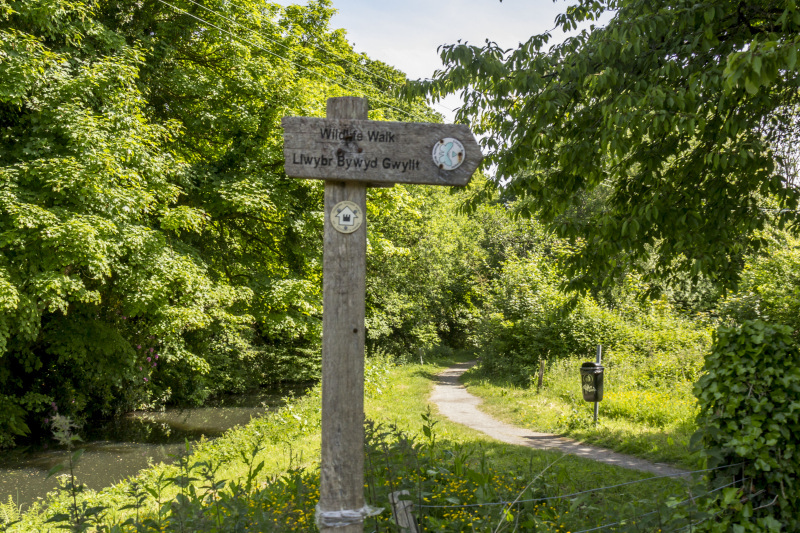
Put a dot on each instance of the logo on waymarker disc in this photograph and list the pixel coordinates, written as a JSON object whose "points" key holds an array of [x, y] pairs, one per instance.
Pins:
{"points": [[346, 217], [448, 153]]}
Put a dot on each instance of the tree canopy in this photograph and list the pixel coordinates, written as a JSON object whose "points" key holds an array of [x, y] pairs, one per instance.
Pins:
{"points": [[683, 113], [151, 248]]}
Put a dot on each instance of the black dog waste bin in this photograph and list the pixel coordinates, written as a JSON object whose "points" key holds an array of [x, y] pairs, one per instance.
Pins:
{"points": [[592, 381]]}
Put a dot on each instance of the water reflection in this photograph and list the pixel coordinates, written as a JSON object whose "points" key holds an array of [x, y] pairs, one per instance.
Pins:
{"points": [[120, 448]]}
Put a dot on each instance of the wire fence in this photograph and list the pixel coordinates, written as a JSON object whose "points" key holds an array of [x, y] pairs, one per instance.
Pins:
{"points": [[693, 498], [574, 494], [683, 502]]}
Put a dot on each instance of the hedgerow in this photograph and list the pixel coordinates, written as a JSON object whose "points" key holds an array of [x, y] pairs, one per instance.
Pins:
{"points": [[749, 398]]}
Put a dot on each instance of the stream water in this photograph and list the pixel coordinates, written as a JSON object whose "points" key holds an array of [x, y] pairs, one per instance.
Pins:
{"points": [[122, 447]]}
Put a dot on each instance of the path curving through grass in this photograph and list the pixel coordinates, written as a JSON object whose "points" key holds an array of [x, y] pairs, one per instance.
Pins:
{"points": [[454, 402]]}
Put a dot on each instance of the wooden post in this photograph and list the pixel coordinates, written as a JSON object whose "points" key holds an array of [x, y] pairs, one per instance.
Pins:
{"points": [[541, 375], [352, 153], [402, 512], [343, 293]]}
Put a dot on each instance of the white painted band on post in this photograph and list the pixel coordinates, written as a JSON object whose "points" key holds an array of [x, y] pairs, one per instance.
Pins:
{"points": [[345, 517]]}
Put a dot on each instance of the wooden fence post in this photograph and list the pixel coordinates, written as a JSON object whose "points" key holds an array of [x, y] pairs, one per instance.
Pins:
{"points": [[402, 512]]}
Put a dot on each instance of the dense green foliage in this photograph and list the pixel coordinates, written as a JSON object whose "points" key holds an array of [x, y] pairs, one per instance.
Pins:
{"points": [[423, 261], [686, 111], [529, 319], [770, 286], [84, 179], [750, 413], [151, 248]]}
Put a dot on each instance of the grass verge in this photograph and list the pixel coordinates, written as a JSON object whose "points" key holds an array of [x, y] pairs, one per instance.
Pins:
{"points": [[264, 477], [654, 423]]}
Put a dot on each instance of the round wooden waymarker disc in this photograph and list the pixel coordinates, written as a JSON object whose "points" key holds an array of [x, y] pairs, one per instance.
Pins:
{"points": [[346, 217]]}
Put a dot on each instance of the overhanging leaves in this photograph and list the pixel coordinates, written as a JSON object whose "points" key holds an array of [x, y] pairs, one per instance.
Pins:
{"points": [[686, 111]]}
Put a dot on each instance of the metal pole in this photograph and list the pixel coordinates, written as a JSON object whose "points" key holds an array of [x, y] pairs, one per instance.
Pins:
{"points": [[598, 360]]}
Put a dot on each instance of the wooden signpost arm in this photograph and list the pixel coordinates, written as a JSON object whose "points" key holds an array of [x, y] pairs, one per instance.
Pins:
{"points": [[344, 288]]}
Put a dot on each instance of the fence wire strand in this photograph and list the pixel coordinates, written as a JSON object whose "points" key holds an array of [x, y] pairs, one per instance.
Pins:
{"points": [[620, 522], [563, 496]]}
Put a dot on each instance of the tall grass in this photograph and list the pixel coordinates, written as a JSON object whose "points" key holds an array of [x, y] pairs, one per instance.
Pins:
{"points": [[642, 412], [453, 487]]}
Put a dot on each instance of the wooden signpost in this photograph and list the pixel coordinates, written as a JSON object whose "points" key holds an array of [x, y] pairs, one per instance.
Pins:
{"points": [[351, 153], [379, 152]]}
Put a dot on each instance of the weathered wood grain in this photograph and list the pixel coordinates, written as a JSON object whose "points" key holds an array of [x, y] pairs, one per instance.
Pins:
{"points": [[403, 512], [373, 151], [344, 289]]}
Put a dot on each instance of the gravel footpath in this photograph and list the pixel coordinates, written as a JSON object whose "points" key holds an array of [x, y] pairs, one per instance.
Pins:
{"points": [[461, 407]]}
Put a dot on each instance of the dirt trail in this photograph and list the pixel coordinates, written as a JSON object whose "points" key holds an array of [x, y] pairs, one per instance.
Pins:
{"points": [[461, 407]]}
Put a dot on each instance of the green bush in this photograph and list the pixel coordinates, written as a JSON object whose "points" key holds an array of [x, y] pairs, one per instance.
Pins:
{"points": [[526, 319], [749, 402], [530, 319], [769, 289]]}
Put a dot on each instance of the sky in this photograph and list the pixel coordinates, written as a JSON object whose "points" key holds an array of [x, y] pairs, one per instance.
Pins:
{"points": [[406, 33]]}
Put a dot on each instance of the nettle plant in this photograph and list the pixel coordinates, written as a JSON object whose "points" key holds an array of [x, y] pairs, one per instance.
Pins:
{"points": [[749, 402]]}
